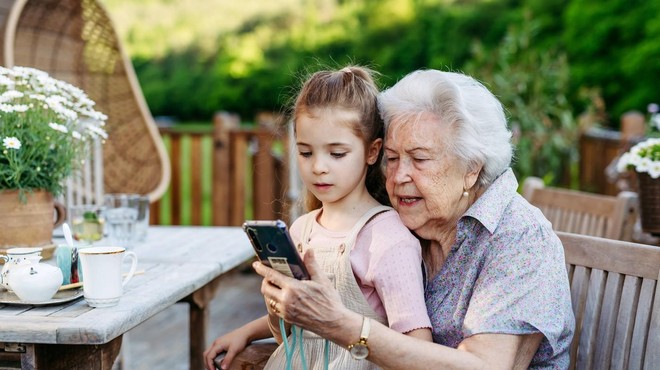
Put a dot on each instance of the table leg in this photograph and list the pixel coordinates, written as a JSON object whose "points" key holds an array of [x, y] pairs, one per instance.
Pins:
{"points": [[199, 317], [70, 357]]}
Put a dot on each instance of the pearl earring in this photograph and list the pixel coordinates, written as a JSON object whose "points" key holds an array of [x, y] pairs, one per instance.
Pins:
{"points": [[465, 193]]}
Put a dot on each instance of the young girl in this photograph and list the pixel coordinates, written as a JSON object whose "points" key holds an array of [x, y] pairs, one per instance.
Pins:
{"points": [[372, 258]]}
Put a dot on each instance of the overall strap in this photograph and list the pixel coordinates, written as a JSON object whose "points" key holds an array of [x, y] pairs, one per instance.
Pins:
{"points": [[307, 229], [352, 235]]}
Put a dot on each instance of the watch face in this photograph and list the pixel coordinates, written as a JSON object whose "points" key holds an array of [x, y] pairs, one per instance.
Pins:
{"points": [[360, 351]]}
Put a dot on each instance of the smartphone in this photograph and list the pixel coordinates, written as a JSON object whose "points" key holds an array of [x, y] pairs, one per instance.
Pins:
{"points": [[274, 248]]}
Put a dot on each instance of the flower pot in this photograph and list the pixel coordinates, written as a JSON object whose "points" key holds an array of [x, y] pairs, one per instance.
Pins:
{"points": [[28, 224], [649, 202]]}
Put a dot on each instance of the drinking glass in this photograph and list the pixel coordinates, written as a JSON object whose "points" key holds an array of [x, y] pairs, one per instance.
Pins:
{"points": [[87, 222], [121, 215], [142, 219]]}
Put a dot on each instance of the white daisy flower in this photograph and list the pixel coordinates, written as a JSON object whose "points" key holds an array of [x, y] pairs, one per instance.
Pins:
{"points": [[60, 128], [11, 143], [654, 170]]}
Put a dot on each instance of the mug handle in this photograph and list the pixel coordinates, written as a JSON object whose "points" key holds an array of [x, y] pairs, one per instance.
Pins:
{"points": [[130, 274], [60, 212]]}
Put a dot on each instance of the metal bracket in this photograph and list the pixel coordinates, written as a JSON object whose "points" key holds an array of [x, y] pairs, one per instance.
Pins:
{"points": [[15, 347]]}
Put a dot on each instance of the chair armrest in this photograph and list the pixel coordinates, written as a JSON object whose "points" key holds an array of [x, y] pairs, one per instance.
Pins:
{"points": [[254, 356]]}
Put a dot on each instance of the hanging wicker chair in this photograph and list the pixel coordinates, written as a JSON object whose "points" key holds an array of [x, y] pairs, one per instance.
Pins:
{"points": [[74, 40]]}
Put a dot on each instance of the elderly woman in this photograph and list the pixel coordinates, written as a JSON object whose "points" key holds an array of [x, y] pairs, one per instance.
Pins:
{"points": [[497, 289]]}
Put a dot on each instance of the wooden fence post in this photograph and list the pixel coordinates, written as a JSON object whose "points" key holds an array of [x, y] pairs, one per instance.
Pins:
{"points": [[223, 122], [264, 177]]}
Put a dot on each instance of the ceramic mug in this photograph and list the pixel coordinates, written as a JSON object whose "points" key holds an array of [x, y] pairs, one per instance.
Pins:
{"points": [[101, 267]]}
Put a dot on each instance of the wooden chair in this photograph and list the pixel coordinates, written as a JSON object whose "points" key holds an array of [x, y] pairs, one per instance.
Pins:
{"points": [[584, 213], [616, 302], [75, 41]]}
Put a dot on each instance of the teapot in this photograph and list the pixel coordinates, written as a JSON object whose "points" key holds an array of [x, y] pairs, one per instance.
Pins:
{"points": [[33, 281], [14, 257]]}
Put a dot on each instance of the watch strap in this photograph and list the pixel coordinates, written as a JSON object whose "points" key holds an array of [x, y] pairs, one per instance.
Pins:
{"points": [[360, 350], [366, 326]]}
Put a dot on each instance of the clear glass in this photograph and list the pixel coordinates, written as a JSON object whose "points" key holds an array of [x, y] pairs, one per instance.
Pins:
{"points": [[121, 216], [87, 222], [142, 219], [121, 225]]}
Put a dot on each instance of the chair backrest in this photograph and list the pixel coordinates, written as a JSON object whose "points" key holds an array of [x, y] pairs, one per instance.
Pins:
{"points": [[75, 41], [584, 213], [616, 302]]}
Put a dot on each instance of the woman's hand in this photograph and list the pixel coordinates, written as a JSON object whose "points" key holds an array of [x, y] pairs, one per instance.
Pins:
{"points": [[313, 305]]}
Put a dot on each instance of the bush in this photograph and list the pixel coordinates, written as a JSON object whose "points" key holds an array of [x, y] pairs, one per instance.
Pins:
{"points": [[532, 85]]}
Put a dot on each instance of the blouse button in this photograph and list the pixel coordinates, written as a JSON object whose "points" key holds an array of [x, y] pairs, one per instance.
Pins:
{"points": [[342, 248]]}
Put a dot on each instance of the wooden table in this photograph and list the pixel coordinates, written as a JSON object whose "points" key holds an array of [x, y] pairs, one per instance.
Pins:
{"points": [[180, 263]]}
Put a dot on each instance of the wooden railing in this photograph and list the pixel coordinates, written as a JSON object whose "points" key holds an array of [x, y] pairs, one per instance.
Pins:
{"points": [[224, 175], [600, 147]]}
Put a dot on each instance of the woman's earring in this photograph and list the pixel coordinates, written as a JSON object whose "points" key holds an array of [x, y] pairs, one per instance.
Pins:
{"points": [[465, 193]]}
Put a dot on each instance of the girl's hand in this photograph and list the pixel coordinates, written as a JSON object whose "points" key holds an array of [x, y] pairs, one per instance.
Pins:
{"points": [[313, 305], [233, 343]]}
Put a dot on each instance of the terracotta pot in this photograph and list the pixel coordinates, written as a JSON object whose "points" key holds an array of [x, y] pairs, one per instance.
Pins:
{"points": [[28, 224], [649, 203]]}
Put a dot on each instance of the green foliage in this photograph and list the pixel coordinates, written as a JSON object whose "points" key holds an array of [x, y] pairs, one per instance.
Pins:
{"points": [[196, 58], [532, 85], [615, 45]]}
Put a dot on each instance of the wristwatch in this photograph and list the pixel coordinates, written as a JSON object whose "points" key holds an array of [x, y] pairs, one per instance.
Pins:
{"points": [[360, 350]]}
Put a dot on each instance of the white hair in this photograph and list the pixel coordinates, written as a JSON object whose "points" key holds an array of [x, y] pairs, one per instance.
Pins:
{"points": [[473, 113]]}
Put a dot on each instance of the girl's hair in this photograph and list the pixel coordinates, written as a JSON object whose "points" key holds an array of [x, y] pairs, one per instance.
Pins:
{"points": [[351, 88], [476, 116]]}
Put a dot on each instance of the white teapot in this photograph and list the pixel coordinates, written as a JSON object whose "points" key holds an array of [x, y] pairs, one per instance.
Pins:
{"points": [[33, 281], [14, 257]]}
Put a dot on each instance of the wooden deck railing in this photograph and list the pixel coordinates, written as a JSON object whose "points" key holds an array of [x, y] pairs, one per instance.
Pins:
{"points": [[224, 175]]}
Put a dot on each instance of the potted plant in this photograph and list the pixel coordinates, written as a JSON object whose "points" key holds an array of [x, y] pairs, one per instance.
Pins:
{"points": [[644, 159], [46, 126]]}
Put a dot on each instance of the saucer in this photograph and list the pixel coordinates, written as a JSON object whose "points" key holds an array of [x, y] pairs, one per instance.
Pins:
{"points": [[61, 296]]}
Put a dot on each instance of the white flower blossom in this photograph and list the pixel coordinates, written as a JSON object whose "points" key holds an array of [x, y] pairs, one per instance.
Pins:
{"points": [[643, 157], [11, 108], [654, 170], [57, 127], [11, 143], [33, 105], [6, 81], [624, 161], [97, 131], [655, 121], [10, 95]]}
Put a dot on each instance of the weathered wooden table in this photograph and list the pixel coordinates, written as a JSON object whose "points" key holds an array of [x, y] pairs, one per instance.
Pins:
{"points": [[180, 263]]}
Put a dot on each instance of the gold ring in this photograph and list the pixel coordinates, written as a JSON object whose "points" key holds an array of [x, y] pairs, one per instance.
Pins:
{"points": [[273, 305]]}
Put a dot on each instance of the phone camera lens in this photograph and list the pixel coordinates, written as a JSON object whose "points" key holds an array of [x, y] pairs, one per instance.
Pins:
{"points": [[253, 238], [271, 247]]}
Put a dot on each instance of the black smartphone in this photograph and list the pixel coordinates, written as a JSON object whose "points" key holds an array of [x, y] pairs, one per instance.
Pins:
{"points": [[273, 245]]}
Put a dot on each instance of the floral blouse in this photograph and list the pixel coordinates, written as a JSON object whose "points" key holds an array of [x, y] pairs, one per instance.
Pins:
{"points": [[505, 274]]}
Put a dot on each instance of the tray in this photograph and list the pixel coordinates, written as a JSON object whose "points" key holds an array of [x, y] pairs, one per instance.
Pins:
{"points": [[62, 296]]}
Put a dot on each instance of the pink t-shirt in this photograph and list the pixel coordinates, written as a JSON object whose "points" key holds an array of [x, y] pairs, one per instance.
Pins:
{"points": [[386, 262]]}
